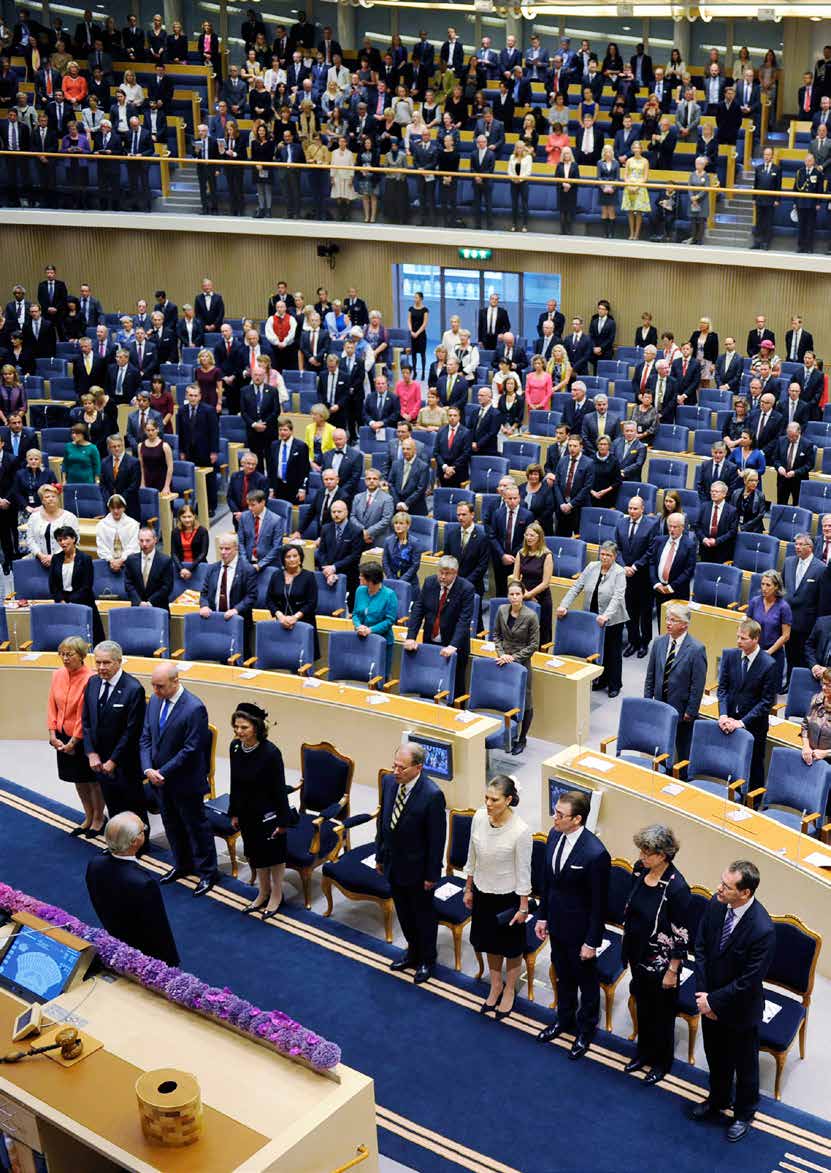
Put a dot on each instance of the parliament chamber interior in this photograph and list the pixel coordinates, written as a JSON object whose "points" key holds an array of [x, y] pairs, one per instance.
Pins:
{"points": [[416, 641]]}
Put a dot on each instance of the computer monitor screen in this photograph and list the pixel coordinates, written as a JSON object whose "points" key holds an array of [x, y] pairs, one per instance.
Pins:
{"points": [[37, 967], [438, 756]]}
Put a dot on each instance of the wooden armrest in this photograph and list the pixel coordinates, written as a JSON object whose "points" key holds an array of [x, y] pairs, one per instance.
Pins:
{"points": [[160, 652], [24, 647], [390, 685], [233, 659], [321, 672], [373, 680], [546, 647], [752, 795], [825, 832], [402, 619], [460, 699], [4, 646], [439, 696], [506, 717], [483, 634], [186, 493], [734, 787], [742, 607], [591, 659], [177, 654], [656, 761], [151, 521], [734, 606], [303, 670], [249, 663], [606, 741], [776, 708], [807, 819], [224, 467], [712, 684], [337, 614], [575, 576], [679, 766], [729, 563], [314, 845]]}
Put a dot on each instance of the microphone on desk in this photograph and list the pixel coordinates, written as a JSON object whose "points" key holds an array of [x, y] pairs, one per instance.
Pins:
{"points": [[441, 685], [371, 672], [718, 580], [559, 552], [756, 559]]}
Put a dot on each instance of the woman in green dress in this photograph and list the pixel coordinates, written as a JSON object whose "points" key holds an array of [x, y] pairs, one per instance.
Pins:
{"points": [[81, 458]]}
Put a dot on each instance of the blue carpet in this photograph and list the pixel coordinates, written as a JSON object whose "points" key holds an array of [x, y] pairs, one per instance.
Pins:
{"points": [[478, 1084]]}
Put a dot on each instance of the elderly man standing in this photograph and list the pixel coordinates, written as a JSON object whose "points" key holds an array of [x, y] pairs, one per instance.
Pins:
{"points": [[677, 672], [113, 716], [444, 610], [128, 899], [175, 754]]}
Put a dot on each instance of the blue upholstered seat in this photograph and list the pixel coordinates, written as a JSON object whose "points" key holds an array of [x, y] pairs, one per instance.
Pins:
{"points": [[352, 872]]}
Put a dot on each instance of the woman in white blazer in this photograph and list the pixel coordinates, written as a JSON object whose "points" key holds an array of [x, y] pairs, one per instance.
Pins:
{"points": [[603, 584]]}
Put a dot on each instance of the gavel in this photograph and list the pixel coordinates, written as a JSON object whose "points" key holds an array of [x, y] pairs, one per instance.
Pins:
{"points": [[68, 1041]]}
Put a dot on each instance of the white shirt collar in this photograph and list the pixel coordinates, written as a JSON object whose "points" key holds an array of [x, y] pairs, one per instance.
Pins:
{"points": [[739, 912], [112, 683], [751, 656]]}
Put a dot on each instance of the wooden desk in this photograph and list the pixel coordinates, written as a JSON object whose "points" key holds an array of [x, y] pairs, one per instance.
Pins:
{"points": [[261, 1111], [634, 797], [347, 716]]}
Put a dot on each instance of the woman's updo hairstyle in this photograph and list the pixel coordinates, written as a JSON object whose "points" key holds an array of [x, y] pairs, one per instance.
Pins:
{"points": [[506, 786]]}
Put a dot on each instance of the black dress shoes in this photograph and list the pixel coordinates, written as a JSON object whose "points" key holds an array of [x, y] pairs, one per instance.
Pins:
{"points": [[629, 650], [423, 974], [94, 832], [738, 1130], [613, 692], [550, 1033], [79, 830], [579, 1047], [596, 685], [642, 652], [655, 1076], [704, 1111], [204, 885], [402, 963], [633, 1065], [172, 876]]}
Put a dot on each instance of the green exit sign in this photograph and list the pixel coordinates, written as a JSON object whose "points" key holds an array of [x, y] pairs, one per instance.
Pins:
{"points": [[475, 254]]}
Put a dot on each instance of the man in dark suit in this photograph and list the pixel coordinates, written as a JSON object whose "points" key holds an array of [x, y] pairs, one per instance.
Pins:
{"points": [[206, 150], [630, 452], [88, 370], [52, 297], [347, 463], [505, 533], [676, 674], [197, 426], [352, 371], [190, 330], [672, 563], [598, 423], [113, 715], [242, 482], [573, 482], [766, 425], [767, 181], [470, 547], [148, 575], [818, 647], [39, 336], [259, 408], [602, 330], [797, 341], [486, 425], [144, 357], [729, 367], [408, 850], [452, 386], [551, 314], [793, 457], [686, 371], [734, 949], [175, 757], [122, 384], [162, 338], [641, 65], [544, 345], [381, 407], [17, 439], [137, 420], [209, 307], [508, 351], [578, 347], [452, 452], [167, 308], [802, 575], [581, 406], [121, 473], [759, 334], [260, 533], [137, 143], [493, 321], [126, 898], [333, 387], [718, 468], [717, 526], [572, 917], [288, 464], [314, 346], [812, 382], [15, 137], [482, 166], [633, 537], [747, 688], [340, 547], [444, 611], [409, 480]]}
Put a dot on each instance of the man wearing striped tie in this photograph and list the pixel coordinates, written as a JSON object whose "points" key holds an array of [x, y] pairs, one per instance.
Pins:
{"points": [[676, 673], [409, 847], [734, 949]]}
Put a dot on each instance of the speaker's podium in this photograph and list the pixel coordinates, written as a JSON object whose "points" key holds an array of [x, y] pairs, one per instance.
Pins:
{"points": [[260, 1110]]}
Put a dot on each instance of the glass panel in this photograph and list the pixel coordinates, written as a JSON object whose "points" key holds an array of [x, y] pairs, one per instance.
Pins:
{"points": [[537, 288], [463, 296], [704, 37], [427, 279], [758, 38]]}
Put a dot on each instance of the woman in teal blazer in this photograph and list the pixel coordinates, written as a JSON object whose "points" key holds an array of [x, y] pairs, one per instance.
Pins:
{"points": [[81, 459], [376, 608]]}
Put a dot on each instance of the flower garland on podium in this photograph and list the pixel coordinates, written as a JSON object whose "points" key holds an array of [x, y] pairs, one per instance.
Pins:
{"points": [[271, 1027]]}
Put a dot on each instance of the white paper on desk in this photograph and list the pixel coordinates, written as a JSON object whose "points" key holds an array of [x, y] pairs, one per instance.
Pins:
{"points": [[672, 788], [554, 663], [740, 814], [601, 764], [686, 972], [770, 1011], [369, 860], [465, 718], [818, 859], [184, 665], [446, 892], [249, 674], [488, 646], [694, 606], [31, 656], [377, 698], [776, 721], [312, 682]]}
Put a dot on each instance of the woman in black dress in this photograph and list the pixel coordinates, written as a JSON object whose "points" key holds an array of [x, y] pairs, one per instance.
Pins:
{"points": [[606, 475], [292, 593], [259, 804], [418, 317], [71, 578], [655, 946], [749, 502]]}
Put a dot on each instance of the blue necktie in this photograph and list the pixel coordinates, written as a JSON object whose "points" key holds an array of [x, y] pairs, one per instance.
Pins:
{"points": [[745, 666], [163, 714], [726, 929], [284, 456]]}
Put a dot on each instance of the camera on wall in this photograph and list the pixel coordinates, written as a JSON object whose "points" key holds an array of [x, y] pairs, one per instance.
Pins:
{"points": [[328, 250]]}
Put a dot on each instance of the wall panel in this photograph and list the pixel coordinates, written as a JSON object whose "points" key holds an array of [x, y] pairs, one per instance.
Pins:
{"points": [[124, 265]]}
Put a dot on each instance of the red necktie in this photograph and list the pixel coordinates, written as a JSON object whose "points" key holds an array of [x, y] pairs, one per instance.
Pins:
{"points": [[570, 478], [825, 550], [450, 438], [103, 349], [645, 375], [684, 367], [223, 590], [807, 106], [245, 488], [434, 634], [509, 531], [256, 535], [714, 522], [667, 566]]}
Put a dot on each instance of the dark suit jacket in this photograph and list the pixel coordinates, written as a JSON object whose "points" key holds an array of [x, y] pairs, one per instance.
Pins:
{"points": [[484, 433], [46, 343], [631, 468], [748, 700], [574, 414], [682, 569], [243, 594], [459, 458], [127, 484], [588, 430], [349, 474], [198, 438], [115, 732], [581, 485], [197, 333], [150, 364], [574, 902], [159, 584], [635, 553], [411, 852], [732, 978], [58, 300], [497, 533], [578, 352], [606, 339], [687, 676], [342, 389], [128, 902], [770, 432], [804, 602], [181, 750], [734, 376], [130, 385], [805, 452], [812, 385], [269, 411], [456, 616], [557, 318], [96, 377], [818, 644], [686, 384], [414, 493], [344, 555], [82, 590], [754, 341], [28, 441], [806, 342], [386, 414], [729, 474], [297, 470], [503, 323], [518, 360], [211, 319], [728, 525], [473, 560]]}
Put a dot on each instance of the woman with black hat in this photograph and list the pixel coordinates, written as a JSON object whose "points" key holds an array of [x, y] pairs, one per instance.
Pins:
{"points": [[259, 804]]}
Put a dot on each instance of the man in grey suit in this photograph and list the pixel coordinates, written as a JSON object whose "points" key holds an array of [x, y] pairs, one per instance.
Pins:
{"points": [[676, 673], [409, 480], [372, 510], [403, 429], [802, 574], [630, 452]]}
